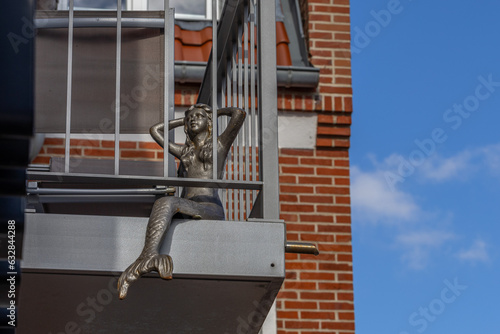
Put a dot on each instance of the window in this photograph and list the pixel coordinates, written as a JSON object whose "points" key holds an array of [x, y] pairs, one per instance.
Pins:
{"points": [[184, 9]]}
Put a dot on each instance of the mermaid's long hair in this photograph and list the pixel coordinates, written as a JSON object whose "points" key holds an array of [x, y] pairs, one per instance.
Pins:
{"points": [[206, 152]]}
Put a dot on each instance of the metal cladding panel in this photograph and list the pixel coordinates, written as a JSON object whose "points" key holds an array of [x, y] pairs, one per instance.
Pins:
{"points": [[226, 276], [199, 248], [70, 303]]}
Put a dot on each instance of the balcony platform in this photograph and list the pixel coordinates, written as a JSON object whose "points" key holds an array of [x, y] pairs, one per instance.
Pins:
{"points": [[226, 276]]}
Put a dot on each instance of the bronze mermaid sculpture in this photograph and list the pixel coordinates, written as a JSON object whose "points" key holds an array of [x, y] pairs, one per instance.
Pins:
{"points": [[196, 155]]}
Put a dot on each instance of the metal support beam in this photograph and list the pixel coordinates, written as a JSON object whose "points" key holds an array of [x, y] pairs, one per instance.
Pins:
{"points": [[268, 108]]}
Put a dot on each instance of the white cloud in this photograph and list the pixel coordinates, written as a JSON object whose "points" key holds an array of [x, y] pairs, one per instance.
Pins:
{"points": [[374, 202], [439, 169], [418, 246], [476, 253], [492, 158]]}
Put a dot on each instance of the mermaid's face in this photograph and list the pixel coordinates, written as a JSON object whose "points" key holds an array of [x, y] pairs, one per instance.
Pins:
{"points": [[196, 121]]}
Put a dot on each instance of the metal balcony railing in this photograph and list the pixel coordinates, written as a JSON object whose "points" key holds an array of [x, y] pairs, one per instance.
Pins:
{"points": [[243, 61]]}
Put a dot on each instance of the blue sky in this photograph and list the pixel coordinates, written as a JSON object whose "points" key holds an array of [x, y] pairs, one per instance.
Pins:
{"points": [[425, 159]]}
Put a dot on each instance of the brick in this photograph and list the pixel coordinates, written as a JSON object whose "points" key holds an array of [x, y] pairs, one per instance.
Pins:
{"points": [[296, 189], [335, 267], [287, 294], [288, 179], [332, 190], [317, 315], [61, 151], [317, 295], [343, 238], [333, 228], [297, 208], [297, 152], [342, 200], [335, 286], [288, 198], [84, 142], [343, 120], [342, 143], [348, 104], [316, 161], [96, 152], [344, 257], [316, 219], [137, 154], [316, 199], [287, 314], [333, 131], [297, 170], [346, 315], [334, 208], [290, 304], [300, 227], [345, 277], [337, 325], [342, 181], [54, 141], [349, 296], [332, 171], [314, 180], [327, 142], [332, 27], [332, 153], [301, 266], [152, 146], [298, 285], [318, 237], [289, 217], [288, 160], [331, 9], [341, 163], [123, 144], [302, 324], [321, 276], [335, 248], [326, 119]]}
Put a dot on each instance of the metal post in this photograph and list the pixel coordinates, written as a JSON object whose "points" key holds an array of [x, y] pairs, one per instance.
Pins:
{"points": [[214, 88], [252, 95], [117, 84], [167, 99], [68, 89], [268, 108]]}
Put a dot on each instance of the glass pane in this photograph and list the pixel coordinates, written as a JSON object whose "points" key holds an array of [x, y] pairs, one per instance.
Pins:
{"points": [[92, 4], [189, 7]]}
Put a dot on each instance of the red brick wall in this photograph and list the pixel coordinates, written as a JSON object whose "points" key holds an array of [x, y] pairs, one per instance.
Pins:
{"points": [[315, 202], [314, 186]]}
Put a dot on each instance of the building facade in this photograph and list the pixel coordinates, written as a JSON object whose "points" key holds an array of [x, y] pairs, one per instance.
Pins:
{"points": [[314, 131]]}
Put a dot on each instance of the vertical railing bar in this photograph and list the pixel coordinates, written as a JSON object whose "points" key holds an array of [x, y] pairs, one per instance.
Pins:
{"points": [[69, 85], [166, 86], [223, 192], [240, 105], [117, 84], [214, 89], [252, 95], [230, 157], [235, 144], [247, 120]]}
